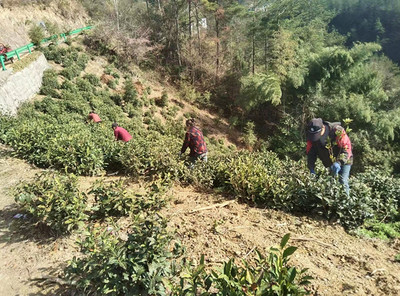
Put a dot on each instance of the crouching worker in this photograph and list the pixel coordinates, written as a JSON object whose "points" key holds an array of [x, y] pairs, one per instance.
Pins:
{"points": [[195, 141], [94, 117], [120, 133], [330, 143]]}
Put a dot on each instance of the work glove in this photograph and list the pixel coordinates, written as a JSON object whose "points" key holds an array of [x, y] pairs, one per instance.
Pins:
{"points": [[335, 168]]}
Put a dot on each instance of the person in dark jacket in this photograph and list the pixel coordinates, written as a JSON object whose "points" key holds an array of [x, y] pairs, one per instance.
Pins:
{"points": [[195, 141], [330, 143]]}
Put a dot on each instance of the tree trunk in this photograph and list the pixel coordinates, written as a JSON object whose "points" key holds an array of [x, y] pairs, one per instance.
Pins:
{"points": [[253, 52], [265, 52], [178, 48], [147, 6], [217, 53], [197, 26], [116, 12]]}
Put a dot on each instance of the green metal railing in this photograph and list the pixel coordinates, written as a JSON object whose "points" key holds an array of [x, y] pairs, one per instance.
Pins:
{"points": [[28, 48]]}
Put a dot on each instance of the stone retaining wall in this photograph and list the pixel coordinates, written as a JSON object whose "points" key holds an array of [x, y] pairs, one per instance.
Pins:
{"points": [[19, 87]]}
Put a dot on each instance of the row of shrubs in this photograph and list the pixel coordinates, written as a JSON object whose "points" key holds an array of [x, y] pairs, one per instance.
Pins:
{"points": [[143, 259], [53, 133], [55, 201]]}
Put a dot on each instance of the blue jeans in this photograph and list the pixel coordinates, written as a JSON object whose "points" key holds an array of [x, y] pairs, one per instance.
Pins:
{"points": [[344, 174]]}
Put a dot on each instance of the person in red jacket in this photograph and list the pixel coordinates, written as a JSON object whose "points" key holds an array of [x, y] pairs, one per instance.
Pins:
{"points": [[93, 116], [330, 143], [120, 133], [195, 141]]}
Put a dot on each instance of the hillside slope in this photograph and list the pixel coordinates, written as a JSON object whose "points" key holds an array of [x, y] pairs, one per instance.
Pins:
{"points": [[340, 263], [17, 20]]}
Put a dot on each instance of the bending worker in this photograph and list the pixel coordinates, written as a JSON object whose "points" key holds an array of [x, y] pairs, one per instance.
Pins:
{"points": [[120, 133], [93, 116], [195, 141], [330, 143]]}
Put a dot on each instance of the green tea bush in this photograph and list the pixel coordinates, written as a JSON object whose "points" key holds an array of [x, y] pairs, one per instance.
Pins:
{"points": [[71, 72], [386, 192], [82, 61], [93, 79], [50, 84], [112, 266], [84, 85], [49, 106], [375, 228], [112, 199], [112, 84], [130, 94], [53, 200], [50, 79], [69, 86], [153, 156], [70, 147], [268, 276], [163, 101]]}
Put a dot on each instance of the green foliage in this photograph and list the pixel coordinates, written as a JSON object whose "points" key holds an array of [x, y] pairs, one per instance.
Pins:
{"points": [[258, 89], [112, 84], [69, 147], [71, 72], [130, 95], [270, 275], [113, 199], [163, 101], [53, 200], [385, 231], [36, 34], [93, 79], [112, 266], [249, 136]]}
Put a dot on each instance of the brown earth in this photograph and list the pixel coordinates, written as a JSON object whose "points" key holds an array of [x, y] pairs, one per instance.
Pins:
{"points": [[16, 20], [340, 263]]}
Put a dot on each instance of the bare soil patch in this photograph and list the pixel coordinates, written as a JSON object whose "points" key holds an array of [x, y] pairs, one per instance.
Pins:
{"points": [[340, 263]]}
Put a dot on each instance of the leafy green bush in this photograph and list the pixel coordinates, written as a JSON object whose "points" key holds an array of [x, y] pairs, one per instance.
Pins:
{"points": [[70, 147], [53, 200], [82, 61], [36, 34], [163, 101], [135, 266], [112, 199], [93, 79], [385, 231], [71, 72], [49, 106], [84, 85], [112, 84], [50, 84], [130, 95], [267, 276]]}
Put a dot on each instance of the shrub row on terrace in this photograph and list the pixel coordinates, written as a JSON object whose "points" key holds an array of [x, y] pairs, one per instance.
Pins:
{"points": [[53, 133]]}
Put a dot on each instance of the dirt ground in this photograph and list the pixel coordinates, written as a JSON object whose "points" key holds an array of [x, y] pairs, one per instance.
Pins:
{"points": [[340, 263]]}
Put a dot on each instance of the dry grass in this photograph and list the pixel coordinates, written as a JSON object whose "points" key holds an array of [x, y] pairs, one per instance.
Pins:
{"points": [[19, 65]]}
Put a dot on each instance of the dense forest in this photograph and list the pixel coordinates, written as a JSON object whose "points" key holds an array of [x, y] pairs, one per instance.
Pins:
{"points": [[270, 66]]}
